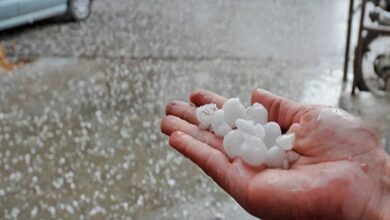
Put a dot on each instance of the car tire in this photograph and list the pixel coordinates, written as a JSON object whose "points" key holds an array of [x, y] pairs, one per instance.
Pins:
{"points": [[79, 10]]}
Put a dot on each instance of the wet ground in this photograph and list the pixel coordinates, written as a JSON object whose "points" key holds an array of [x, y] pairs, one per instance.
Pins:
{"points": [[79, 126]]}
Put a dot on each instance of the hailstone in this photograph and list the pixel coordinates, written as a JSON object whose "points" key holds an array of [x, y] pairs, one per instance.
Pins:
{"points": [[233, 110], [286, 141], [286, 164], [272, 131], [253, 151], [232, 142], [292, 155], [219, 126], [247, 134], [257, 113], [249, 128], [275, 157], [204, 114]]}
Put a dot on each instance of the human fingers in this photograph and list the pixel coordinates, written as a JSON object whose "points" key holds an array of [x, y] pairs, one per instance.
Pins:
{"points": [[171, 124], [212, 161], [182, 110], [281, 110], [202, 97]]}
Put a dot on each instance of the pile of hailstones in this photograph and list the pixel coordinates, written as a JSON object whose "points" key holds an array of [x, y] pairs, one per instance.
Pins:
{"points": [[247, 133]]}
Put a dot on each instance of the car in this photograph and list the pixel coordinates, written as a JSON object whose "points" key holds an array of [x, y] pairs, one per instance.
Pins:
{"points": [[18, 12]]}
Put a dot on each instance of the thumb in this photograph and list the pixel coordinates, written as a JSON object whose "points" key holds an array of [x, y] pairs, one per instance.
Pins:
{"points": [[281, 110]]}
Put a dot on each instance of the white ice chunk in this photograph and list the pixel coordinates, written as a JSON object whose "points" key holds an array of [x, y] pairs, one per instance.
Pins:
{"points": [[253, 151], [211, 128], [257, 113], [245, 126], [255, 141], [204, 114], [285, 164], [219, 126], [249, 128], [233, 110], [217, 117], [204, 126], [232, 143], [272, 131], [286, 141], [259, 131], [221, 129], [292, 156], [275, 157]]}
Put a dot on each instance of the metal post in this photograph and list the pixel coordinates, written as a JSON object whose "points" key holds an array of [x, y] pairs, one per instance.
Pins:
{"points": [[346, 58], [358, 53]]}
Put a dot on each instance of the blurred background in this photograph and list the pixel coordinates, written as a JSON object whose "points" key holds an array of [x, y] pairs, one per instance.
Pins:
{"points": [[82, 94]]}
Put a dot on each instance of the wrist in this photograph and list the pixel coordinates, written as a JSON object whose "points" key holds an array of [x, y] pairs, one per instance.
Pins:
{"points": [[386, 188], [378, 186]]}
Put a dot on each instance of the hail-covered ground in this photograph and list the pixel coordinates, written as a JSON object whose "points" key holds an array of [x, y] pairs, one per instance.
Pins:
{"points": [[80, 137]]}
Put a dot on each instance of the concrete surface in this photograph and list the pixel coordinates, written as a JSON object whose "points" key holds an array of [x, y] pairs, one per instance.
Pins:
{"points": [[79, 127], [282, 30]]}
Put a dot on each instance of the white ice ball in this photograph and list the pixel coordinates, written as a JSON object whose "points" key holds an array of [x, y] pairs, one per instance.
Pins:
{"points": [[292, 156], [275, 157], [232, 143], [286, 164], [255, 141], [249, 128], [219, 126], [286, 142], [257, 113], [233, 110], [221, 129], [204, 114], [272, 131], [218, 117], [253, 151], [245, 126]]}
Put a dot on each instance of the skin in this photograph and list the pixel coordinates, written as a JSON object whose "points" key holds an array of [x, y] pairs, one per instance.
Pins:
{"points": [[340, 170]]}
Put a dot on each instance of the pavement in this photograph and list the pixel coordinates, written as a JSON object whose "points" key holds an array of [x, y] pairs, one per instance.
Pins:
{"points": [[79, 125]]}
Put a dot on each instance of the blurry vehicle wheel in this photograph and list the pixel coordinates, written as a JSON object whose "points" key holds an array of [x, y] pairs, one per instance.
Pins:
{"points": [[79, 9], [374, 71]]}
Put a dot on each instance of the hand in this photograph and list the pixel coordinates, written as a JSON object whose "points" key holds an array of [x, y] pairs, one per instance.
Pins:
{"points": [[341, 171]]}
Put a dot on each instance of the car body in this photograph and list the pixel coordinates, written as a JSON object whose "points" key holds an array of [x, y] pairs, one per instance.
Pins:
{"points": [[17, 12]]}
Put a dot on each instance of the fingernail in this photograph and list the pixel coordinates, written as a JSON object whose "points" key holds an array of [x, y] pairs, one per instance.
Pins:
{"points": [[173, 103], [170, 117], [260, 90], [179, 133]]}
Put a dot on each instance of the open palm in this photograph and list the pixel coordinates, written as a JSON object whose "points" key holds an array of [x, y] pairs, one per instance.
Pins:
{"points": [[337, 169]]}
